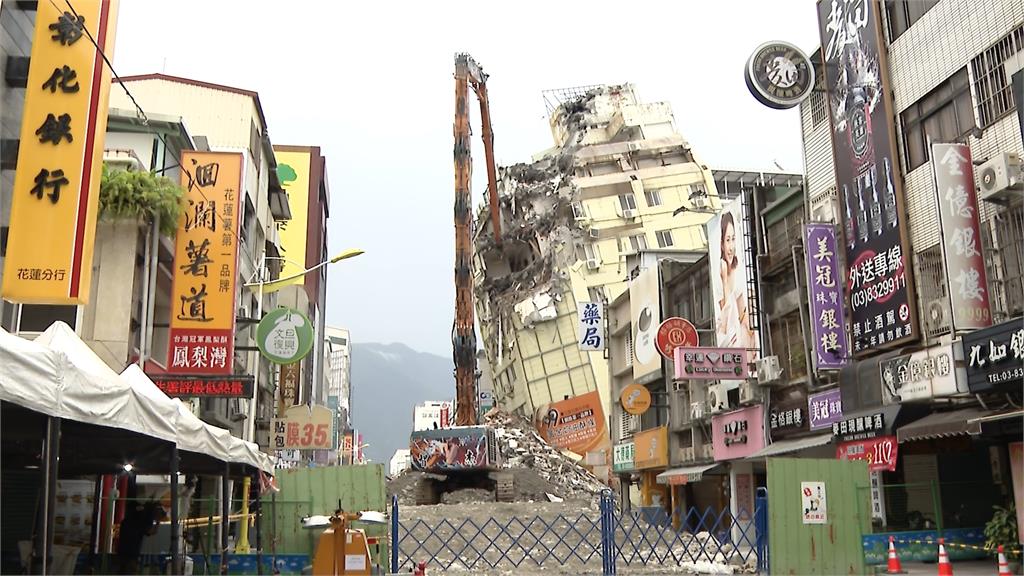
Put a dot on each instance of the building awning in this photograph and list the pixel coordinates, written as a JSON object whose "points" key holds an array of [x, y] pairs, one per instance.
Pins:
{"points": [[791, 445], [685, 475], [943, 425]]}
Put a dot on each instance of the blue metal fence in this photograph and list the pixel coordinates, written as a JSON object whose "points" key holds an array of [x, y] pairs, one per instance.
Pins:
{"points": [[580, 540]]}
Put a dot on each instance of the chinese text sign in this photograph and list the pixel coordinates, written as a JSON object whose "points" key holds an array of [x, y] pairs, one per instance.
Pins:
{"points": [[880, 452], [303, 428], [880, 282], [205, 265], [293, 168], [961, 234], [56, 184], [825, 408], [828, 321], [813, 503], [591, 333]]}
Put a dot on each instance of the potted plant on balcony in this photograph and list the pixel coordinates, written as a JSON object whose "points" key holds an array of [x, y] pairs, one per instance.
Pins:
{"points": [[140, 195], [1001, 530]]}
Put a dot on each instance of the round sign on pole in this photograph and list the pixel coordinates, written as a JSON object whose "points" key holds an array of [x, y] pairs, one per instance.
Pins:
{"points": [[675, 333], [635, 399], [779, 75], [284, 336]]}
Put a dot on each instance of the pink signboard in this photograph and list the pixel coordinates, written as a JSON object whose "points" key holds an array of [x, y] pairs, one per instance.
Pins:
{"points": [[737, 434], [701, 363]]}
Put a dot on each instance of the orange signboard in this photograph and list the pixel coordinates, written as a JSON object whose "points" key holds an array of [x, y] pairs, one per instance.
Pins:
{"points": [[57, 179], [205, 264], [635, 399], [651, 448], [576, 424]]}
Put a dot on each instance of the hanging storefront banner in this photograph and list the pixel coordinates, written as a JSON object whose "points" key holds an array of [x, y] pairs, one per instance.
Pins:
{"points": [[622, 457], [635, 399], [730, 260], [673, 333], [880, 452], [928, 373], [236, 386], [645, 314], [303, 428], [961, 234], [290, 375], [704, 363], [880, 281], [651, 448], [591, 332], [828, 321], [737, 434], [995, 357], [285, 335], [205, 264], [293, 171], [576, 424], [49, 247], [825, 408]]}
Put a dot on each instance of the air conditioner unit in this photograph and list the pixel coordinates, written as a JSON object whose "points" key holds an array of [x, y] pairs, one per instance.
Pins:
{"points": [[749, 394], [718, 400], [594, 233], [679, 386], [768, 370], [700, 202], [593, 264], [937, 315], [687, 454], [629, 214], [1000, 179]]}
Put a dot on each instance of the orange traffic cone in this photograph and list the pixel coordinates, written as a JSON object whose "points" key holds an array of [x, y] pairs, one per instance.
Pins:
{"points": [[945, 568], [894, 561], [1004, 566]]}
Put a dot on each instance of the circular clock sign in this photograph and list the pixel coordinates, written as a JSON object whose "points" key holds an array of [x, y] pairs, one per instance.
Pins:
{"points": [[675, 333], [284, 336], [779, 75]]}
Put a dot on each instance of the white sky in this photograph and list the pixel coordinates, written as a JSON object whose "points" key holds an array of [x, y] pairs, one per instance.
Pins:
{"points": [[371, 84]]}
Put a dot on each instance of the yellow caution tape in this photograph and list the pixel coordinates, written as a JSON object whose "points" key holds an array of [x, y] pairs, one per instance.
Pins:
{"points": [[1008, 552]]}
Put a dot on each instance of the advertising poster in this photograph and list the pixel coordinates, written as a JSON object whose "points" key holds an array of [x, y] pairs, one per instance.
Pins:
{"points": [[880, 452], [303, 428], [205, 265], [645, 314], [824, 281], [576, 424], [880, 281], [450, 449], [813, 503], [728, 254]]}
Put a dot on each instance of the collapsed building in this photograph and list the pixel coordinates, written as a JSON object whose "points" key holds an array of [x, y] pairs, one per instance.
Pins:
{"points": [[619, 180]]}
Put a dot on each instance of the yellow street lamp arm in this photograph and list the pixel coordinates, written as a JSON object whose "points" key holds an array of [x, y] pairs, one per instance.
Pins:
{"points": [[270, 286]]}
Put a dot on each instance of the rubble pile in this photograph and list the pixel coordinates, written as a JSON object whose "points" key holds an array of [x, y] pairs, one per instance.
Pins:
{"points": [[521, 447], [702, 553]]}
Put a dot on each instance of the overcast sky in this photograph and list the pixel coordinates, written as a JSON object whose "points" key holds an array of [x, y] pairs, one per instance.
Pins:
{"points": [[371, 84]]}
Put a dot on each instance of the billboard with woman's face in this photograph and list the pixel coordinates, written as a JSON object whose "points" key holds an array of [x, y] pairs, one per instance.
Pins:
{"points": [[727, 256]]}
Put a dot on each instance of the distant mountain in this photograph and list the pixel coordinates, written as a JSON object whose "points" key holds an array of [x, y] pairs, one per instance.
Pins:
{"points": [[388, 380]]}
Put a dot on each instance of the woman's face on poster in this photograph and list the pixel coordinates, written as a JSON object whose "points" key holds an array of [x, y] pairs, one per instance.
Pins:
{"points": [[729, 243]]}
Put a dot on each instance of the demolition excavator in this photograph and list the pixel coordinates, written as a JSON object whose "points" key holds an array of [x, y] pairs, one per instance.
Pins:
{"points": [[465, 455]]}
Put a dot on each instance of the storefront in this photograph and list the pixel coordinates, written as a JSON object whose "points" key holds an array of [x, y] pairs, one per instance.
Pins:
{"points": [[623, 467], [735, 436], [650, 458]]}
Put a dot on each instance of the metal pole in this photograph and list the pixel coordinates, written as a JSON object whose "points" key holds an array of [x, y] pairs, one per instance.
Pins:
{"points": [[394, 534], [273, 530], [225, 509], [175, 526], [52, 463], [250, 428], [259, 533]]}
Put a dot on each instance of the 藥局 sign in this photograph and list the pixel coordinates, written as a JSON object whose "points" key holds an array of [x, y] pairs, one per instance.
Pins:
{"points": [[880, 283], [828, 321], [825, 408], [813, 503], [591, 333]]}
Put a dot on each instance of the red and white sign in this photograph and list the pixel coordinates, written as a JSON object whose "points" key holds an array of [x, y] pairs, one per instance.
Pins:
{"points": [[674, 333], [303, 428], [879, 452], [961, 234]]}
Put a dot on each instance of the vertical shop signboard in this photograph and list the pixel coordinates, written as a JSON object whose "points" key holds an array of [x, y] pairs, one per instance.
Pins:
{"points": [[591, 332], [824, 280], [880, 282]]}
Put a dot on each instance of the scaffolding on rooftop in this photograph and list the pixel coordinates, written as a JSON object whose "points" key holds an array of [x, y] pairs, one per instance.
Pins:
{"points": [[558, 96]]}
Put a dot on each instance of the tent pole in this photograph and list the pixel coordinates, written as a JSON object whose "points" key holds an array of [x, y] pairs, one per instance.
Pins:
{"points": [[175, 527], [225, 510], [52, 462], [259, 526]]}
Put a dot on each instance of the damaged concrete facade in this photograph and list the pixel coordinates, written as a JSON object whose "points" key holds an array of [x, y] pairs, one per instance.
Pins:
{"points": [[607, 190]]}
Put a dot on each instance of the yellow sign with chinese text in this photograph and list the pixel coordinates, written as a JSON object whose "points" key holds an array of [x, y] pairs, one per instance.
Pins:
{"points": [[293, 172], [57, 180], [205, 264], [651, 448]]}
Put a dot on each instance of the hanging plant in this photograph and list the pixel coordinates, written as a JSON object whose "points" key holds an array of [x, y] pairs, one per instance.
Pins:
{"points": [[144, 195]]}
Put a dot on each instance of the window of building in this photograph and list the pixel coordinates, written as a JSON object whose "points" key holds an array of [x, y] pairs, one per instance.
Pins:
{"points": [[255, 148], [628, 341], [627, 201], [788, 344], [1006, 268], [633, 244], [653, 197], [664, 238], [903, 13], [578, 212], [588, 251], [596, 293], [38, 317], [991, 85], [819, 113], [945, 114]]}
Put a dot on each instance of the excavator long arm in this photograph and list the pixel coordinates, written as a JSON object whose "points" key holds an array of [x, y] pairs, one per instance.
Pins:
{"points": [[467, 73]]}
